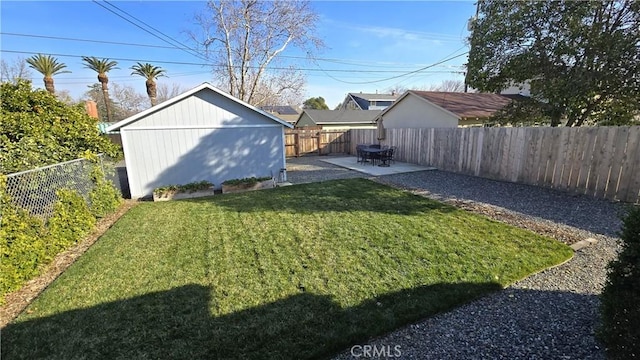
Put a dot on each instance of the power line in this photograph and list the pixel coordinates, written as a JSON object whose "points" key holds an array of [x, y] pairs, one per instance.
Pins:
{"points": [[87, 40], [252, 67], [184, 48], [195, 51], [350, 62], [392, 77], [446, 56]]}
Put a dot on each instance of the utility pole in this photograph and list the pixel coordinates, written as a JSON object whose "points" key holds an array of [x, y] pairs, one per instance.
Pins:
{"points": [[470, 27]]}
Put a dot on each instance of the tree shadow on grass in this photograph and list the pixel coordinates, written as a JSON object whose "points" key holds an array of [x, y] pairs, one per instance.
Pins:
{"points": [[178, 324], [347, 195]]}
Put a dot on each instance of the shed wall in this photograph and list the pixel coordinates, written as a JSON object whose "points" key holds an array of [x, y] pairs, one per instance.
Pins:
{"points": [[158, 157]]}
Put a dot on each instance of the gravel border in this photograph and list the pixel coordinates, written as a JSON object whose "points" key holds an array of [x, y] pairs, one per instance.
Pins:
{"points": [[552, 314]]}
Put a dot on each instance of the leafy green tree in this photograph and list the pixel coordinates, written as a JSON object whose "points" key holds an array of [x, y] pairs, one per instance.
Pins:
{"points": [[102, 67], [521, 112], [315, 103], [48, 66], [36, 129], [581, 57], [151, 73]]}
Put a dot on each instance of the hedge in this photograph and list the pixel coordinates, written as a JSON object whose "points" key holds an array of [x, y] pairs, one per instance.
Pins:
{"points": [[620, 330], [28, 244]]}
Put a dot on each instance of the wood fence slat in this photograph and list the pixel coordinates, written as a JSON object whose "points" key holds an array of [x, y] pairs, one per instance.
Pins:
{"points": [[629, 189], [579, 145], [600, 161], [598, 155], [617, 160], [560, 149], [604, 170], [587, 156], [521, 144], [543, 156]]}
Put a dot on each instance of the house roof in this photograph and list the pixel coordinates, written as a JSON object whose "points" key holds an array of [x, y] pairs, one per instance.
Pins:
{"points": [[367, 96], [464, 105], [281, 109], [186, 94], [328, 117]]}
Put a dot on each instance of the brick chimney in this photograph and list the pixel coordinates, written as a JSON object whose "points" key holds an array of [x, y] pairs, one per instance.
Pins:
{"points": [[92, 108]]}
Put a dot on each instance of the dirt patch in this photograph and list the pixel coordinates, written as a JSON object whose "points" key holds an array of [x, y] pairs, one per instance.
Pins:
{"points": [[17, 301]]}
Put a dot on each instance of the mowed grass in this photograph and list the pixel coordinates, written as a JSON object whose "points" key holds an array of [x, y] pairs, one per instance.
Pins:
{"points": [[295, 272]]}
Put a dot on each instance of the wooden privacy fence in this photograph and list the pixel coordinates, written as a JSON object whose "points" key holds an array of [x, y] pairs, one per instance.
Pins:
{"points": [[316, 142], [599, 161]]}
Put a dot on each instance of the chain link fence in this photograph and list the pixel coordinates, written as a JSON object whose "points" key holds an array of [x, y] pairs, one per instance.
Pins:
{"points": [[35, 190]]}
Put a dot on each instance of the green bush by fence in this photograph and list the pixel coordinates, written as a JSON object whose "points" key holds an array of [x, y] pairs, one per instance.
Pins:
{"points": [[23, 241], [620, 329], [104, 197], [28, 243]]}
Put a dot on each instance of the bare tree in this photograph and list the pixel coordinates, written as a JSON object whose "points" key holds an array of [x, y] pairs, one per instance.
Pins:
{"points": [[272, 92], [124, 101], [12, 71], [166, 92], [65, 97], [243, 40], [449, 86], [396, 89]]}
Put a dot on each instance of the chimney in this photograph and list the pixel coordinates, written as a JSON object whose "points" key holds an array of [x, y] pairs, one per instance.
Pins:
{"points": [[393, 93], [92, 108]]}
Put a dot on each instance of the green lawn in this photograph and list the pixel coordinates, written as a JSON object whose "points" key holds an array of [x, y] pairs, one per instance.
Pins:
{"points": [[294, 272]]}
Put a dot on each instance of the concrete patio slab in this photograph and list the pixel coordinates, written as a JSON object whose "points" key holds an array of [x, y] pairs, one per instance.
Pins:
{"points": [[351, 162]]}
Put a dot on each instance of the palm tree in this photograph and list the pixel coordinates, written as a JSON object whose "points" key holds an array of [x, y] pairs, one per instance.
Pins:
{"points": [[151, 73], [48, 66], [102, 67]]}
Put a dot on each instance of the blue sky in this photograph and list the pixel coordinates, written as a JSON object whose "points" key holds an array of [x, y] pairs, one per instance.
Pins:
{"points": [[365, 42]]}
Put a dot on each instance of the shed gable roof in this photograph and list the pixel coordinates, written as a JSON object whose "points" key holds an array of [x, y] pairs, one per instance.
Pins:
{"points": [[175, 99]]}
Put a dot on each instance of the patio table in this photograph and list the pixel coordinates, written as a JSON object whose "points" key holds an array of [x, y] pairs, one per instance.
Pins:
{"points": [[371, 152]]}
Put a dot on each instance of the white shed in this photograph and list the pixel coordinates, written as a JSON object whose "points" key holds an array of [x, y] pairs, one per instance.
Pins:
{"points": [[202, 134]]}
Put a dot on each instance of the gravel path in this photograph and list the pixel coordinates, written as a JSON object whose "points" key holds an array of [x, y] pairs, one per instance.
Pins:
{"points": [[552, 314]]}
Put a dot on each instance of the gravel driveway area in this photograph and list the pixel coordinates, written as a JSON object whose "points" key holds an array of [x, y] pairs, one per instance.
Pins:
{"points": [[552, 314]]}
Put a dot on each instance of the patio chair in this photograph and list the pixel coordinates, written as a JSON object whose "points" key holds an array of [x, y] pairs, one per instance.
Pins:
{"points": [[391, 153], [362, 155], [386, 157]]}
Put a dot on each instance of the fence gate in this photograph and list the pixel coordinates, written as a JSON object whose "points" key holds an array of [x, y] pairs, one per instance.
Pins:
{"points": [[316, 142]]}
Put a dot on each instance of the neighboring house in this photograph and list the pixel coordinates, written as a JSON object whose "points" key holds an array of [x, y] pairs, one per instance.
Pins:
{"points": [[431, 109], [285, 112], [523, 89], [202, 134], [360, 101], [338, 119]]}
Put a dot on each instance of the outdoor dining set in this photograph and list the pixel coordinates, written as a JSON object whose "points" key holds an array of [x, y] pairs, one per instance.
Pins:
{"points": [[375, 153]]}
